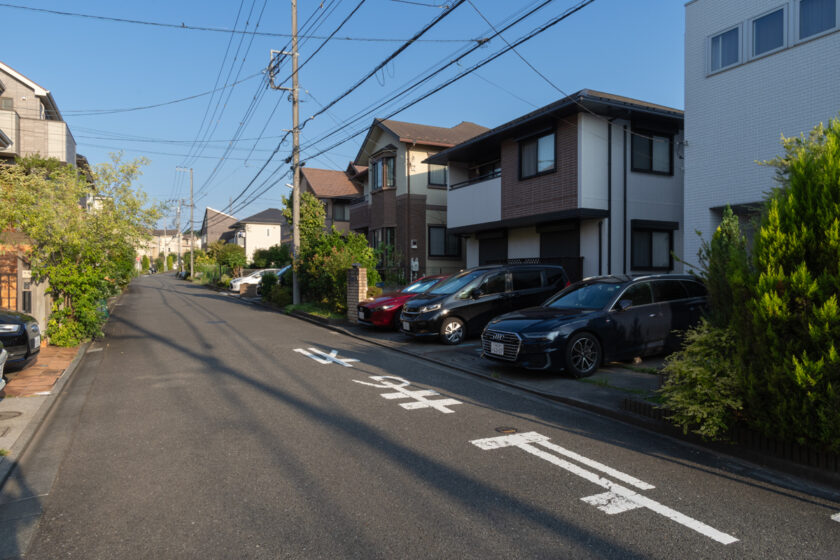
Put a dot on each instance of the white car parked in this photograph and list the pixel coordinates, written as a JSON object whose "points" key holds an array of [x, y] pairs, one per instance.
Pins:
{"points": [[255, 277]]}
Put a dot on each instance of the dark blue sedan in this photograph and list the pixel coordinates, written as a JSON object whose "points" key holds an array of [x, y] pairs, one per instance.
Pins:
{"points": [[598, 319]]}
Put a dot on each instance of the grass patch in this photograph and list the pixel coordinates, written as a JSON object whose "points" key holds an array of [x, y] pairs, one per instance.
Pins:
{"points": [[4, 452], [316, 309]]}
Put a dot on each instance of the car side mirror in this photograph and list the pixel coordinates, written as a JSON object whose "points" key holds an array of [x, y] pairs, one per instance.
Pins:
{"points": [[625, 304], [476, 293]]}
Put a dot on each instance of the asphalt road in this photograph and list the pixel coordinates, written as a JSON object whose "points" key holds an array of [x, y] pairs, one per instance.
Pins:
{"points": [[205, 427]]}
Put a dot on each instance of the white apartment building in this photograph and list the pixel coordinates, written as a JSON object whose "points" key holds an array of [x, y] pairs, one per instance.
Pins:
{"points": [[754, 70]]}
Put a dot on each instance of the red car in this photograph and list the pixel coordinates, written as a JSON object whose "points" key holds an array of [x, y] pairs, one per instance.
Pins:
{"points": [[385, 310]]}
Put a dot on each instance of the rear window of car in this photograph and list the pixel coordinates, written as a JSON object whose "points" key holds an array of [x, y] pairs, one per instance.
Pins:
{"points": [[526, 279], [694, 289], [668, 290]]}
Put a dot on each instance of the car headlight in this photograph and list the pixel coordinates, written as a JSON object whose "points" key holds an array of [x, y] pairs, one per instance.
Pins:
{"points": [[385, 308], [547, 335], [428, 308], [9, 328]]}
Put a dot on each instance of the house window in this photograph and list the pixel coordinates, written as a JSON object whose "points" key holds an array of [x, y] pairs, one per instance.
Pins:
{"points": [[651, 249], [816, 16], [341, 211], [768, 32], [384, 240], [437, 174], [652, 153], [725, 49], [442, 243], [536, 156], [382, 173], [6, 103]]}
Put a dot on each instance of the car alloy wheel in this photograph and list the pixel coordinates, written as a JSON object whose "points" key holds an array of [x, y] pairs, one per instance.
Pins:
{"points": [[583, 355], [452, 331]]}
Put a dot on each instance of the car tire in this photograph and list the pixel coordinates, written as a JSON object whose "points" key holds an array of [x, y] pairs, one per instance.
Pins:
{"points": [[452, 331], [395, 323], [583, 355]]}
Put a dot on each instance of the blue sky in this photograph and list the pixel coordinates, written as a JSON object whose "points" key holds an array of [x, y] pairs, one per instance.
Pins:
{"points": [[632, 48]]}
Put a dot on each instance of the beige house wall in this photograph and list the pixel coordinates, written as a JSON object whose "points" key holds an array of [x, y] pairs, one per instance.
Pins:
{"points": [[260, 236]]}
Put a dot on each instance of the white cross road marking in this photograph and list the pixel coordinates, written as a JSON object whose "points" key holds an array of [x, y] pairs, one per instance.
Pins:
{"points": [[613, 501], [836, 517], [420, 401], [331, 358]]}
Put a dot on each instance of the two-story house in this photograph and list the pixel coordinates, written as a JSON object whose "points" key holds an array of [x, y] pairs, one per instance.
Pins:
{"points": [[403, 208], [592, 181], [754, 71], [30, 122], [336, 190], [262, 230], [216, 226]]}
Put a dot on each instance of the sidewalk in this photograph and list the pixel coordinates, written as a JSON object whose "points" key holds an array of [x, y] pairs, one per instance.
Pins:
{"points": [[27, 397]]}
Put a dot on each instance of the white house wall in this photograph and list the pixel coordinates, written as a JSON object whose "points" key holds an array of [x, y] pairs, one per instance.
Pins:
{"points": [[478, 203], [735, 118], [260, 236], [592, 161]]}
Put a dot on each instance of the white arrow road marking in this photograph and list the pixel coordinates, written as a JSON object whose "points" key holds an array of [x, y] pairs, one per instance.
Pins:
{"points": [[617, 499], [331, 358], [836, 517], [420, 401]]}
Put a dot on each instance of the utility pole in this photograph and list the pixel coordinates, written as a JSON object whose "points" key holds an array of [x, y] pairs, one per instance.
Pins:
{"points": [[180, 267], [295, 148], [192, 232]]}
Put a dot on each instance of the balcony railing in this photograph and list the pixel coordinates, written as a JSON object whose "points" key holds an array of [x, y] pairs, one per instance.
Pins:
{"points": [[479, 179]]}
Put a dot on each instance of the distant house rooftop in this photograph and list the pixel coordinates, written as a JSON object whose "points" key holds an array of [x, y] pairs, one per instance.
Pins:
{"points": [[326, 183]]}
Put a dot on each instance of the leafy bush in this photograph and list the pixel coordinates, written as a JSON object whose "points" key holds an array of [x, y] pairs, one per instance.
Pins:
{"points": [[281, 296], [273, 257], [792, 375], [702, 388], [231, 255], [145, 263], [267, 283], [170, 261], [324, 267], [158, 264], [224, 281]]}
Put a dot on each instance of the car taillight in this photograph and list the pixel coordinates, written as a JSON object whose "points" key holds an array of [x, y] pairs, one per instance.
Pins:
{"points": [[567, 284]]}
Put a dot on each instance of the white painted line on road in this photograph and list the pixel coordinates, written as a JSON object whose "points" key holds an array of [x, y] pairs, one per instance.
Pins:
{"points": [[94, 350], [836, 517], [617, 496], [597, 466], [42, 393], [324, 358], [399, 385]]}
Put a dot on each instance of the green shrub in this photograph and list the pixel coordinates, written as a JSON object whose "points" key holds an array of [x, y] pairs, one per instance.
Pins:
{"points": [[145, 263], [281, 296], [273, 257], [702, 385], [224, 281], [793, 370], [267, 283], [170, 261]]}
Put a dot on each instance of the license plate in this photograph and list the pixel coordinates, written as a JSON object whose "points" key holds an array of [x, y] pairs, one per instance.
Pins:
{"points": [[406, 326], [497, 348], [361, 314], [36, 342]]}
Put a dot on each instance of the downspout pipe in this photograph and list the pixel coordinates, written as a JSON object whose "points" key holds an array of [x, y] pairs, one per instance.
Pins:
{"points": [[624, 212]]}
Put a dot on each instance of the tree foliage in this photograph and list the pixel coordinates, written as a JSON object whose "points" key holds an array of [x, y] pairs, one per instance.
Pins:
{"points": [[274, 256], [87, 254], [231, 255], [791, 383], [312, 218], [769, 351]]}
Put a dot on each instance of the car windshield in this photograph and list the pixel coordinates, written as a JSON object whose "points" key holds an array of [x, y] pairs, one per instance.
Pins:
{"points": [[584, 296], [456, 283], [420, 286]]}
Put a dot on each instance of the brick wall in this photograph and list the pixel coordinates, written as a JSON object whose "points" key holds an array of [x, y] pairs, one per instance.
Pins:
{"points": [[356, 292], [545, 193]]}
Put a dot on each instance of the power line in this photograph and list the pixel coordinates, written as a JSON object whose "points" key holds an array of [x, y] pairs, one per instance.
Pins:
{"points": [[186, 27], [426, 95], [455, 59], [88, 112]]}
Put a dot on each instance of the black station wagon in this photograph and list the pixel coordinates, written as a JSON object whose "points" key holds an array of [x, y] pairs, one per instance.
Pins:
{"points": [[597, 319], [465, 302]]}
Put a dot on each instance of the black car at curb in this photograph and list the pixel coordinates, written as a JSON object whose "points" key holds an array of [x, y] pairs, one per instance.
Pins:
{"points": [[598, 319], [20, 336], [464, 303]]}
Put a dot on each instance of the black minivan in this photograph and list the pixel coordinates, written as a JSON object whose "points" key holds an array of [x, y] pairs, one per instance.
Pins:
{"points": [[465, 302]]}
